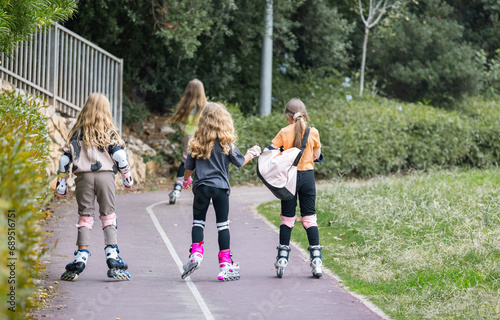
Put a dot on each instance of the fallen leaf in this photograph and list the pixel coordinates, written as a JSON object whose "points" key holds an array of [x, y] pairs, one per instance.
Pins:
{"points": [[342, 234], [337, 238]]}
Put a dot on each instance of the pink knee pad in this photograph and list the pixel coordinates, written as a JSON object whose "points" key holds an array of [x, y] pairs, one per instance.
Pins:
{"points": [[309, 221], [109, 220], [85, 221], [288, 221]]}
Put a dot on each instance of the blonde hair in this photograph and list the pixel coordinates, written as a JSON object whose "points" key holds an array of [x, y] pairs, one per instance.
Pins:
{"points": [[296, 110], [215, 122], [95, 124], [194, 97]]}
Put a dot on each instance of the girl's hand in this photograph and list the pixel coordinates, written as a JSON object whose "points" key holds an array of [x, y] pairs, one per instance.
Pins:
{"points": [[127, 180], [186, 183], [254, 151], [61, 188]]}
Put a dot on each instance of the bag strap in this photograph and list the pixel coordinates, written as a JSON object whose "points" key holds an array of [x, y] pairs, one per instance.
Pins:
{"points": [[302, 146]]}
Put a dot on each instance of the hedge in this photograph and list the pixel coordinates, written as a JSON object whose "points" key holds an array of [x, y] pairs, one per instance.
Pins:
{"points": [[24, 148], [376, 136]]}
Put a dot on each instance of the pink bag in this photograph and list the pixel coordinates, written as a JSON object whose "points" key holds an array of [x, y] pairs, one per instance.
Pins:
{"points": [[278, 170]]}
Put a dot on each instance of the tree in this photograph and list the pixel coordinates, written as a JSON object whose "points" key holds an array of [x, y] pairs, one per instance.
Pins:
{"points": [[20, 19], [166, 43], [422, 56], [376, 10]]}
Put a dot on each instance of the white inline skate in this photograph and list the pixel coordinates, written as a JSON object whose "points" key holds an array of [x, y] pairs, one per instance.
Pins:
{"points": [[282, 259], [174, 194], [228, 269], [76, 267], [195, 258], [117, 267], [316, 260]]}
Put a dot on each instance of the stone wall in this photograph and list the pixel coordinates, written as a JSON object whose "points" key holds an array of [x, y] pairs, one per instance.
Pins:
{"points": [[59, 127]]}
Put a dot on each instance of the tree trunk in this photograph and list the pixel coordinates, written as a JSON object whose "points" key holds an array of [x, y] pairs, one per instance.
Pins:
{"points": [[363, 62]]}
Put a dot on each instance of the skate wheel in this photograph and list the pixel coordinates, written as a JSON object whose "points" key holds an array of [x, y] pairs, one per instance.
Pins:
{"points": [[118, 274], [69, 276], [280, 272], [192, 268]]}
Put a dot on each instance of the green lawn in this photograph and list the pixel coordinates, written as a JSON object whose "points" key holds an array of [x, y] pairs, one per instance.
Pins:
{"points": [[424, 246]]}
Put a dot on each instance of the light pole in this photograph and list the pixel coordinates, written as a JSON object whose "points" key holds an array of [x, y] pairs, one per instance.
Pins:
{"points": [[266, 69]]}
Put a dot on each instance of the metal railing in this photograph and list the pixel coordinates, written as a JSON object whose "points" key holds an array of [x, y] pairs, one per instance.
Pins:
{"points": [[65, 68]]}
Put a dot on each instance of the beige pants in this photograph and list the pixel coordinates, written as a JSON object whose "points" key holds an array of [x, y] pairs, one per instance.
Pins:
{"points": [[89, 187]]}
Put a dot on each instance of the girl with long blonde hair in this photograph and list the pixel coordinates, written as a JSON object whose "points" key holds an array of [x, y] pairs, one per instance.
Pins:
{"points": [[211, 150], [187, 115], [95, 150]]}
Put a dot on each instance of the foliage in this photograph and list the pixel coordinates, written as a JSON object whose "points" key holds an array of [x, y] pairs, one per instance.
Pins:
{"points": [[423, 56], [24, 148], [134, 112], [218, 42], [20, 19], [375, 136], [425, 246]]}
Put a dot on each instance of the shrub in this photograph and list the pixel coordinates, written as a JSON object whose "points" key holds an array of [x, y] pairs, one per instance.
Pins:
{"points": [[24, 148], [422, 55], [376, 136]]}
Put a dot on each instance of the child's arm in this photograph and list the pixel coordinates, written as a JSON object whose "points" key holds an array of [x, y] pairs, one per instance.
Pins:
{"points": [[62, 175], [120, 158], [316, 153], [251, 153], [187, 179]]}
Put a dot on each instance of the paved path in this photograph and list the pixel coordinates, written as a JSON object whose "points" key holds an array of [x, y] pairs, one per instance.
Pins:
{"points": [[154, 238]]}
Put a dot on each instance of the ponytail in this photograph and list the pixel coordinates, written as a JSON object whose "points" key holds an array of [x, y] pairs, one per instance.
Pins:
{"points": [[296, 110], [299, 129]]}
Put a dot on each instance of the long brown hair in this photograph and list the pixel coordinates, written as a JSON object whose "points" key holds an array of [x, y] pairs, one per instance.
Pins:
{"points": [[296, 110], [215, 122], [95, 124], [194, 96]]}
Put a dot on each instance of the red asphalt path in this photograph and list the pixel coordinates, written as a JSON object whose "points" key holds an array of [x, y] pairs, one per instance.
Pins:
{"points": [[154, 238]]}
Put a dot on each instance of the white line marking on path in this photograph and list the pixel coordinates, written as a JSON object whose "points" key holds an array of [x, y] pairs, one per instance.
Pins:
{"points": [[175, 256]]}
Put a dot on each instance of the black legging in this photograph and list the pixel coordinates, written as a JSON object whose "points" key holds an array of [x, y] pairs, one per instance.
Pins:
{"points": [[220, 199], [180, 171], [306, 192]]}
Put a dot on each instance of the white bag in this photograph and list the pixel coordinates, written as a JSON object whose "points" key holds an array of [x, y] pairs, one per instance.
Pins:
{"points": [[278, 170]]}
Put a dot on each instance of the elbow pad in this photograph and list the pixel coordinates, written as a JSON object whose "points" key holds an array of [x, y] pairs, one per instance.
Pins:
{"points": [[64, 163], [120, 157]]}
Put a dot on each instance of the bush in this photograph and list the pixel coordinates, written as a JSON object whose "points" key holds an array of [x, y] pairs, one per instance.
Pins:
{"points": [[134, 112], [24, 148], [376, 136], [422, 55]]}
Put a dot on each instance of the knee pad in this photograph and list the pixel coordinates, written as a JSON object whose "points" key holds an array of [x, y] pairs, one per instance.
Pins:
{"points": [[64, 162], [309, 221], [109, 220], [288, 221], [199, 223], [120, 158], [85, 221], [222, 226]]}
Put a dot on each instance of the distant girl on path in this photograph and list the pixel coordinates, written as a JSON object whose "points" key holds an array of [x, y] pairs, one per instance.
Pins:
{"points": [[96, 151], [187, 116], [211, 151], [288, 137]]}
